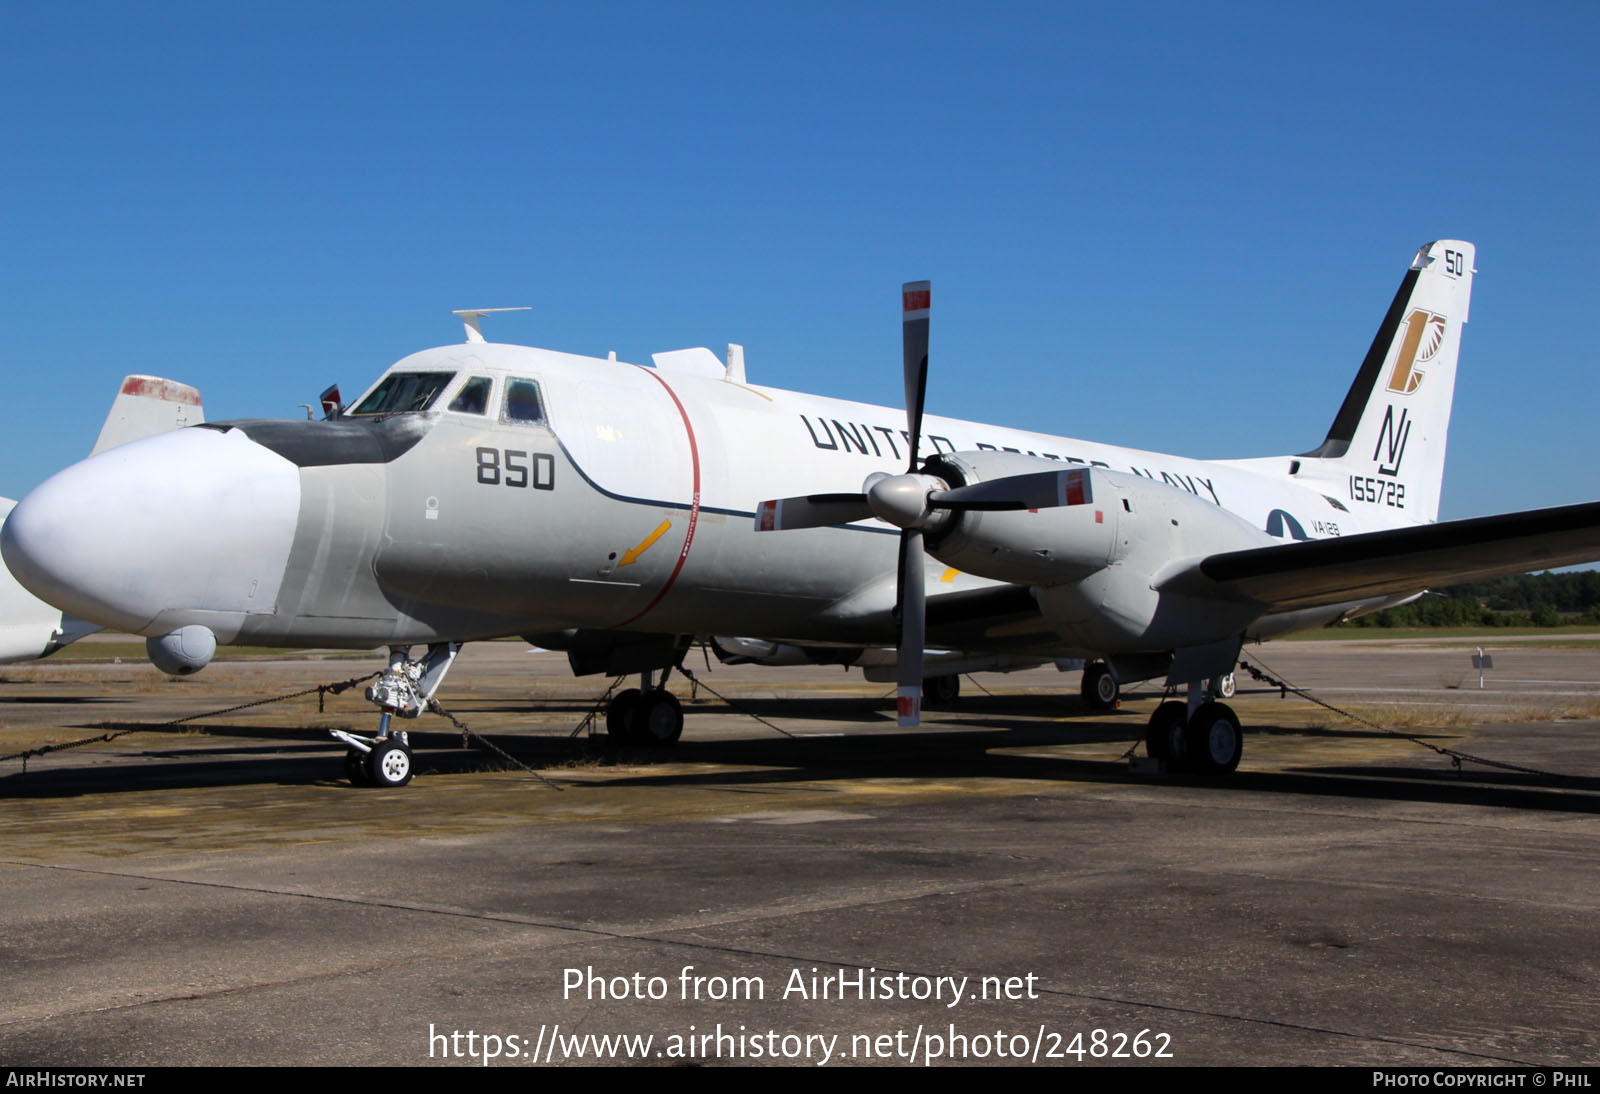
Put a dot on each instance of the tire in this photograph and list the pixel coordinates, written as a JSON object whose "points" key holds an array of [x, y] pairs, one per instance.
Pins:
{"points": [[1167, 736], [941, 691], [621, 715], [1100, 688], [1216, 740], [1227, 686], [389, 764], [659, 719], [355, 768]]}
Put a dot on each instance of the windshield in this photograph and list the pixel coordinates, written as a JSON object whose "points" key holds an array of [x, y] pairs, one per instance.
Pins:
{"points": [[402, 391]]}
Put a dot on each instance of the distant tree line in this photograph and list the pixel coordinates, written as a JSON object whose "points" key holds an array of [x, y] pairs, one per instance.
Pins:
{"points": [[1526, 600]]}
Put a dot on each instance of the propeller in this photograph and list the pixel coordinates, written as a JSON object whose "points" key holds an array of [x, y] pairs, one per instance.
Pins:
{"points": [[915, 503], [916, 298], [901, 500]]}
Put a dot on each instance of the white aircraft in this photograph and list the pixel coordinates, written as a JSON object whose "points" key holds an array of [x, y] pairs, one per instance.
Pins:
{"points": [[617, 510], [30, 628]]}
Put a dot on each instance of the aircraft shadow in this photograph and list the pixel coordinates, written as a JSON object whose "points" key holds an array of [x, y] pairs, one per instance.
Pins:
{"points": [[972, 747]]}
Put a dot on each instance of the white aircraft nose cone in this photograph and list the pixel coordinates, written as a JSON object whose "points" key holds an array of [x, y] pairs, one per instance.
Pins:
{"points": [[196, 520]]}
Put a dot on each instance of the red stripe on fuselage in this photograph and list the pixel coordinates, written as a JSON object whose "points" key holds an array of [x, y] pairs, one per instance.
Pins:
{"points": [[694, 502]]}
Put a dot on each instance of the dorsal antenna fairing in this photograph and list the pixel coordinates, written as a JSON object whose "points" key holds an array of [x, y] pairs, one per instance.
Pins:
{"points": [[469, 318]]}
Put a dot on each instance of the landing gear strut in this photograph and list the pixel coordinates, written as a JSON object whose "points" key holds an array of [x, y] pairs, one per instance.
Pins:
{"points": [[1201, 735], [405, 688], [646, 715]]}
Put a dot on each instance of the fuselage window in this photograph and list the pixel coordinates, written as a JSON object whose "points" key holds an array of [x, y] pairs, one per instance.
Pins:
{"points": [[403, 391], [523, 403], [473, 397]]}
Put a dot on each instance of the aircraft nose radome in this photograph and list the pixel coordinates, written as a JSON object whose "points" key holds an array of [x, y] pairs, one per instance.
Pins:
{"points": [[196, 521]]}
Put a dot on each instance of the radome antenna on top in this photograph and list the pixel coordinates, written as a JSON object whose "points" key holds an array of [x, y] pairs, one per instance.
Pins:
{"points": [[469, 318]]}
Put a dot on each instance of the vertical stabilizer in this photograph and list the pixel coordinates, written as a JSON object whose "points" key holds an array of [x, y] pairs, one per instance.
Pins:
{"points": [[1388, 439], [146, 405]]}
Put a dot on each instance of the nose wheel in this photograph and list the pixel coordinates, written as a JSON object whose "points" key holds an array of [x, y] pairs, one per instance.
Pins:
{"points": [[355, 767], [389, 764], [383, 761]]}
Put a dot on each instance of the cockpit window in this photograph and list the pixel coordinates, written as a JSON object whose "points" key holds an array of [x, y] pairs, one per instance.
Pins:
{"points": [[473, 397], [403, 391], [523, 403]]}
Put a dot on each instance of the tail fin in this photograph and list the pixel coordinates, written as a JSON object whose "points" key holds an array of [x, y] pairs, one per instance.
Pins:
{"points": [[1388, 438], [146, 405]]}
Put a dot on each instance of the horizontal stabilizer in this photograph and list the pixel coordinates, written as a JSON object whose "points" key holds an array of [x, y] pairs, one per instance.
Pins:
{"points": [[30, 628], [1398, 561]]}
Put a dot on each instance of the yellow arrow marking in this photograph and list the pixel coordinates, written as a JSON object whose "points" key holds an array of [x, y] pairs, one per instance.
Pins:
{"points": [[950, 574], [631, 555]]}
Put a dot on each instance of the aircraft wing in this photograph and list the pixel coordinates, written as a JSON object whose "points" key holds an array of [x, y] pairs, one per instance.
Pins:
{"points": [[1401, 560]]}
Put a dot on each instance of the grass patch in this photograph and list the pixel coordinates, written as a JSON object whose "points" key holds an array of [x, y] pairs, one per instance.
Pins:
{"points": [[1568, 637]]}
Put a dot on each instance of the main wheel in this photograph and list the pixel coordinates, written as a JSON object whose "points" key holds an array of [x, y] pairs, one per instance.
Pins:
{"points": [[941, 690], [1167, 738], [1100, 688], [389, 764], [355, 768], [1216, 740], [659, 719], [621, 716]]}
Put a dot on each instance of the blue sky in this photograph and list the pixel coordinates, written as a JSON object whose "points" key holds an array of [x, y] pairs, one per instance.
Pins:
{"points": [[1162, 225]]}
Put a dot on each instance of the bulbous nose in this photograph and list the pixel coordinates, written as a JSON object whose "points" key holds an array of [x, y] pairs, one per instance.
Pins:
{"points": [[190, 526]]}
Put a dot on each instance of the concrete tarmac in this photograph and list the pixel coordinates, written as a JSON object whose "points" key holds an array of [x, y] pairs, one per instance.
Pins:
{"points": [[799, 880]]}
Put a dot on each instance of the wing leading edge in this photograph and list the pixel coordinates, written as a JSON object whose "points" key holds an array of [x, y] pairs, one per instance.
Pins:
{"points": [[1332, 571]]}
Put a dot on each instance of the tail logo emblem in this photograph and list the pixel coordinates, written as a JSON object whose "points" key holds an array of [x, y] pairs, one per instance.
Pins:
{"points": [[1424, 335], [1391, 446]]}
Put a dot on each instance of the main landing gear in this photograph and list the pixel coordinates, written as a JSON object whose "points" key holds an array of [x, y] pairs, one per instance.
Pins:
{"points": [[1201, 735], [404, 689], [646, 715], [1099, 688], [941, 691]]}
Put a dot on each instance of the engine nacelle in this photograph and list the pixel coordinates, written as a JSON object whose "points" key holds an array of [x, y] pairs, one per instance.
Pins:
{"points": [[1027, 547], [1094, 563], [183, 652]]}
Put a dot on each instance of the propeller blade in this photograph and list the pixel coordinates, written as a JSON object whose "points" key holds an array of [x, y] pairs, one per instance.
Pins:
{"points": [[908, 657], [811, 511], [915, 297], [1040, 490]]}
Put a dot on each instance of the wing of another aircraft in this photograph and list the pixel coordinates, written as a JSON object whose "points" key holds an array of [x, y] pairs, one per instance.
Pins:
{"points": [[1332, 571]]}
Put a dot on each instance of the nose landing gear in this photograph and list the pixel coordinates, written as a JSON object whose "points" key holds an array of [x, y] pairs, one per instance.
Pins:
{"points": [[404, 689]]}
